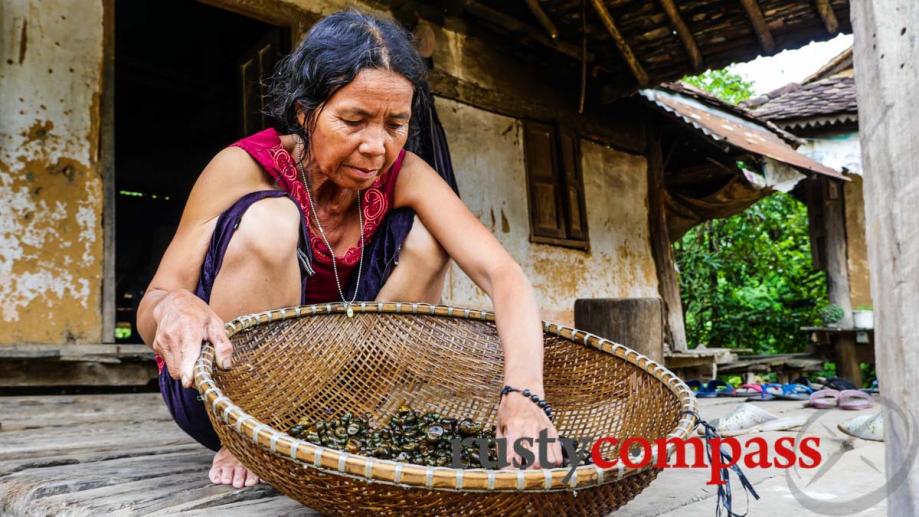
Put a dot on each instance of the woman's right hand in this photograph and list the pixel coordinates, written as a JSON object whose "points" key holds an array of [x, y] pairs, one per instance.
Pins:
{"points": [[183, 322]]}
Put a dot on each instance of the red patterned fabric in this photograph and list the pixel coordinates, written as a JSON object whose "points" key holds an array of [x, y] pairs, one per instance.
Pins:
{"points": [[265, 147]]}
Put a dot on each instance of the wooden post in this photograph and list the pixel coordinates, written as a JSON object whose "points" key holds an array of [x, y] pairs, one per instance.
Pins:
{"points": [[886, 46], [107, 164], [633, 322], [668, 284], [835, 255]]}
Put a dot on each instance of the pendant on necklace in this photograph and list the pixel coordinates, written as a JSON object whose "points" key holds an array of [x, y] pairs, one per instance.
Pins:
{"points": [[350, 311]]}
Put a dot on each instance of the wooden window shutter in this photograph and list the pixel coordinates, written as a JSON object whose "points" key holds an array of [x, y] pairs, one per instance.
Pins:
{"points": [[576, 220], [815, 218], [253, 67], [545, 196]]}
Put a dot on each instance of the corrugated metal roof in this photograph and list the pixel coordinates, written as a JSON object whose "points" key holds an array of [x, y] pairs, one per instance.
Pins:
{"points": [[731, 130]]}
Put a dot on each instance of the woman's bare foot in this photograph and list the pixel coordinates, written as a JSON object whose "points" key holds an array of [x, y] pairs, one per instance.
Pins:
{"points": [[227, 470]]}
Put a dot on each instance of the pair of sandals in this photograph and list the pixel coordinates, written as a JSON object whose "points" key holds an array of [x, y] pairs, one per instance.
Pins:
{"points": [[711, 389], [829, 398], [751, 392], [790, 391]]}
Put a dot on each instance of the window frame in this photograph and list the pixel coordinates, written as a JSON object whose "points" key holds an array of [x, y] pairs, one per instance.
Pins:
{"points": [[562, 183]]}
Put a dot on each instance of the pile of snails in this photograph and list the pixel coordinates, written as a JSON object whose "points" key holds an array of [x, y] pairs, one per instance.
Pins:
{"points": [[409, 437]]}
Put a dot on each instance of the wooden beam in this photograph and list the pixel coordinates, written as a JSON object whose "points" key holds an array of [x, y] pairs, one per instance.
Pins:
{"points": [[543, 18], [682, 30], [107, 164], [885, 57], [668, 282], [759, 25], [828, 16], [637, 70], [516, 26]]}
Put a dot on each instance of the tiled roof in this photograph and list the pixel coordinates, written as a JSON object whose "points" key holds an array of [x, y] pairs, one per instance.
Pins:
{"points": [[830, 100]]}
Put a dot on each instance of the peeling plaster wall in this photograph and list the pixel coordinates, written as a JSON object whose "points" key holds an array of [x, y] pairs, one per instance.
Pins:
{"points": [[51, 187], [841, 151], [488, 156], [50, 184]]}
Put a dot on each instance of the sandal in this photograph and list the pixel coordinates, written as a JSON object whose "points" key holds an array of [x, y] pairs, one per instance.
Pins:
{"points": [[749, 390], [766, 392], [794, 392], [824, 399], [711, 389], [807, 382], [855, 400], [695, 385], [783, 392], [840, 384]]}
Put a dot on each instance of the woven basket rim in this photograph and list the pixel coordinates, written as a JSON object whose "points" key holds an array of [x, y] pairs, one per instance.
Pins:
{"points": [[377, 470]]}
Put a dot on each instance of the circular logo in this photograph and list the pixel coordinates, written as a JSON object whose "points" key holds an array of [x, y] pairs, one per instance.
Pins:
{"points": [[804, 483]]}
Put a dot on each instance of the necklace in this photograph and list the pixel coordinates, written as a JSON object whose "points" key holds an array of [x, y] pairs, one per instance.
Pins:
{"points": [[360, 217]]}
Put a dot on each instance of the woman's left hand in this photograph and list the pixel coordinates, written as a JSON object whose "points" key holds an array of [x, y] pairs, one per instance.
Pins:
{"points": [[519, 417]]}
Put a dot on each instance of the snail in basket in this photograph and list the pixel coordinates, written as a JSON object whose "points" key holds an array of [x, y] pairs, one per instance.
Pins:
{"points": [[409, 437]]}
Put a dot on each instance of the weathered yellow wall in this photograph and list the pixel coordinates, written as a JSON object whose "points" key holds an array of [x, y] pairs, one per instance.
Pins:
{"points": [[50, 184], [859, 272], [488, 156], [51, 188]]}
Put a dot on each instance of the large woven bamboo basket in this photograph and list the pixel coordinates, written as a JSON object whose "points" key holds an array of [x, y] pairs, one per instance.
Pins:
{"points": [[296, 362]]}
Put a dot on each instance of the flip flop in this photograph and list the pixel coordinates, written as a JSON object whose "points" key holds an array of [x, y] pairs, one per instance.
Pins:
{"points": [[765, 392], [807, 382], [824, 399], [748, 390], [794, 392], [855, 400], [840, 384], [696, 386], [713, 385], [873, 388]]}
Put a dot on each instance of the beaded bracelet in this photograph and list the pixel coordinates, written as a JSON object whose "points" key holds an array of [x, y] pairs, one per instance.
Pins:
{"points": [[545, 406]]}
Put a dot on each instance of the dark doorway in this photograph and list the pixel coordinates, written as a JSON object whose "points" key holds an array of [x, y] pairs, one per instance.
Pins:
{"points": [[186, 86]]}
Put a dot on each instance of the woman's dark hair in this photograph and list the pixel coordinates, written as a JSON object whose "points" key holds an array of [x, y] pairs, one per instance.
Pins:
{"points": [[331, 55]]}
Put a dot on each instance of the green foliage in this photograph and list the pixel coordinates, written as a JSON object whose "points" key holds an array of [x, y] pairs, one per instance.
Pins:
{"points": [[747, 281], [724, 84]]}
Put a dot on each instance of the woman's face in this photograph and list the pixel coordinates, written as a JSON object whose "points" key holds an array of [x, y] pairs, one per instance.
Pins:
{"points": [[360, 130]]}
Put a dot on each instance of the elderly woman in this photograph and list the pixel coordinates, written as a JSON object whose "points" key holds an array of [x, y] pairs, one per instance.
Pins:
{"points": [[334, 209]]}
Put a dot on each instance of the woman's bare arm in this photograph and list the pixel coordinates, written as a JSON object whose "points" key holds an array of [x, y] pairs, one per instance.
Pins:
{"points": [[492, 268], [230, 175]]}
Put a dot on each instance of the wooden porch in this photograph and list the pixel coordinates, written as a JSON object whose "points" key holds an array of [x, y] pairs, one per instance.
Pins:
{"points": [[80, 455]]}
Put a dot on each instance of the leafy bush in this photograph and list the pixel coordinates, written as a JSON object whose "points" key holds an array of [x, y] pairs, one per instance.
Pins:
{"points": [[747, 281]]}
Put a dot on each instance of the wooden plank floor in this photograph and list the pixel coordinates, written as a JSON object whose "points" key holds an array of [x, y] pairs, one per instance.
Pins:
{"points": [[123, 455], [113, 454]]}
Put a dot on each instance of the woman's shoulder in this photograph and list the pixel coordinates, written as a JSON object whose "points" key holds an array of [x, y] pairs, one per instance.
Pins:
{"points": [[234, 172], [269, 151], [413, 168]]}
